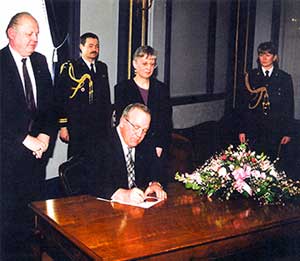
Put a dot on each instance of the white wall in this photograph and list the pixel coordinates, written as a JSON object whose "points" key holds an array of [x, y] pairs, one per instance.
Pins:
{"points": [[156, 36], [185, 116], [101, 18], [38, 10]]}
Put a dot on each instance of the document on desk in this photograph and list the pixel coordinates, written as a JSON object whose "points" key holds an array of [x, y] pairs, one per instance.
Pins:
{"points": [[147, 203]]}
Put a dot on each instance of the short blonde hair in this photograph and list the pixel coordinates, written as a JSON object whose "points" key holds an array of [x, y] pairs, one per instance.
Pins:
{"points": [[144, 50]]}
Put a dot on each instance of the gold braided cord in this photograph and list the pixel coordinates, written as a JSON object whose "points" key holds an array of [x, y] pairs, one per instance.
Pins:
{"points": [[261, 93], [63, 120], [80, 81]]}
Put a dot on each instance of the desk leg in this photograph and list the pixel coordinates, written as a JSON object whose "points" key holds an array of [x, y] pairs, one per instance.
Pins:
{"points": [[37, 241]]}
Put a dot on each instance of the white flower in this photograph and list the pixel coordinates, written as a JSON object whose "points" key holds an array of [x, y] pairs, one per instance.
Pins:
{"points": [[222, 172], [257, 174], [274, 173], [215, 166], [265, 165]]}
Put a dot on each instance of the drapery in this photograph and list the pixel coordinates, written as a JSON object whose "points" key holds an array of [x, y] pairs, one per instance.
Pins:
{"points": [[64, 22]]}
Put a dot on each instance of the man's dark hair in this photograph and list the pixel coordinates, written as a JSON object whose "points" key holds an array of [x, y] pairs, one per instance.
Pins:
{"points": [[84, 36]]}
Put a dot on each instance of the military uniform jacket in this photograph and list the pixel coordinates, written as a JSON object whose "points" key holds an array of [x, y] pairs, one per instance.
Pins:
{"points": [[279, 117], [85, 111]]}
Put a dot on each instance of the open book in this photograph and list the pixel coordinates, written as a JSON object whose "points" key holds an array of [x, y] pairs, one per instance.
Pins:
{"points": [[148, 202]]}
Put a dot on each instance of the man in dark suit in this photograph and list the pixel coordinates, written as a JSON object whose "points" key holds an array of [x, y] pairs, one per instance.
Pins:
{"points": [[27, 122], [83, 95], [112, 174]]}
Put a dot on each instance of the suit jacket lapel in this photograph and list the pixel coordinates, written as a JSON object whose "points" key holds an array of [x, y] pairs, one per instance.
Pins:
{"points": [[36, 73], [14, 79], [119, 157]]}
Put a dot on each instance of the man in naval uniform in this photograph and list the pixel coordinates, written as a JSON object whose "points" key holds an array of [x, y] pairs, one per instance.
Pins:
{"points": [[83, 96]]}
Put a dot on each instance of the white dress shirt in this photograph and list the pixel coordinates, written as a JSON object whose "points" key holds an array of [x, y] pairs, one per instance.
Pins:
{"points": [[18, 60]]}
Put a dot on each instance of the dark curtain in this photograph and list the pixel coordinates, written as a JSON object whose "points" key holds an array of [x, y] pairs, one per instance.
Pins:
{"points": [[64, 21]]}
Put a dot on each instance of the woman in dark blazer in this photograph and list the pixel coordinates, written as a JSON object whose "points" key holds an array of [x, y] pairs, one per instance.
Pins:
{"points": [[144, 88]]}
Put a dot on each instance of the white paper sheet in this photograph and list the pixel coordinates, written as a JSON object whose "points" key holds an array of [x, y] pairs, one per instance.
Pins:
{"points": [[148, 203]]}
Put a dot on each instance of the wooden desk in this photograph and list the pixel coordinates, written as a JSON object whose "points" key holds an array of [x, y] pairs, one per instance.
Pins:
{"points": [[183, 227]]}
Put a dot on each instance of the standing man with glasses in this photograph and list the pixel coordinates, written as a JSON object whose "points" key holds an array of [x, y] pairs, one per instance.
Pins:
{"points": [[27, 123], [83, 98], [124, 172]]}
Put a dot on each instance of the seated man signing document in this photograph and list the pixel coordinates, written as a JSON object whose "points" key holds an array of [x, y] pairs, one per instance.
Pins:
{"points": [[120, 171]]}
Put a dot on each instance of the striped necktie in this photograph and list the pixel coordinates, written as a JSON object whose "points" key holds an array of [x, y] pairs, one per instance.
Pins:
{"points": [[130, 169]]}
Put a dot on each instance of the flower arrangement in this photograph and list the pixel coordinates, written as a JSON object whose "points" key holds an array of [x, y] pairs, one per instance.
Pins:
{"points": [[237, 171]]}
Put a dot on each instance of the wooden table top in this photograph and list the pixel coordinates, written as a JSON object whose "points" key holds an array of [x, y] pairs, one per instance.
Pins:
{"points": [[184, 221]]}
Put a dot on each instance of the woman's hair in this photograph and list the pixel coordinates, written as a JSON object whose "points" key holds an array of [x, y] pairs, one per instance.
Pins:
{"points": [[267, 47], [144, 50]]}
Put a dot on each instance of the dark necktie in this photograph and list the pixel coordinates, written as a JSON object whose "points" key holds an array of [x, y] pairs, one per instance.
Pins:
{"points": [[92, 70], [130, 169], [267, 74], [28, 89]]}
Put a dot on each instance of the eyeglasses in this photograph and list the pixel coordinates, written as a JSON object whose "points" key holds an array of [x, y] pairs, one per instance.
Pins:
{"points": [[152, 65], [137, 128]]}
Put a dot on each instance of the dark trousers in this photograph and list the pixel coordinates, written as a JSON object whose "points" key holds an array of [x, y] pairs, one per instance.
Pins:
{"points": [[22, 181]]}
